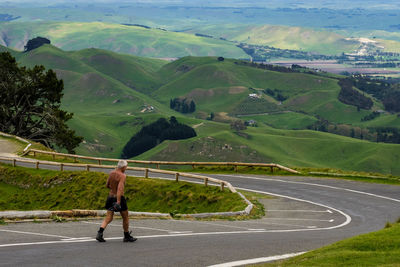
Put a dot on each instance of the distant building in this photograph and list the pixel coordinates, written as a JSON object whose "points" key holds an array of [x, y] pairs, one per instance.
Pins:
{"points": [[254, 96]]}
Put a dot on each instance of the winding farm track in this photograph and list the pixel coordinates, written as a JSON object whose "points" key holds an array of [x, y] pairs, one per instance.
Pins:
{"points": [[306, 214]]}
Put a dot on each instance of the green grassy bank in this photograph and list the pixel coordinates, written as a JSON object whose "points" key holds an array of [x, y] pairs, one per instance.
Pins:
{"points": [[30, 189], [380, 248]]}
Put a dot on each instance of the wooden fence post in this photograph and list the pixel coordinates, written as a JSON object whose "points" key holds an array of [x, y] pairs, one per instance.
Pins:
{"points": [[61, 167], [37, 165], [177, 177], [146, 173], [54, 156], [75, 160], [99, 162], [88, 168], [222, 186], [236, 168], [272, 169], [158, 166], [14, 162], [34, 154], [206, 181], [192, 166]]}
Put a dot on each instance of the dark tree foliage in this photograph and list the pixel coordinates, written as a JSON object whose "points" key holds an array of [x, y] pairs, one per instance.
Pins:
{"points": [[371, 116], [276, 93], [182, 105], [350, 96], [36, 43], [221, 58], [392, 101], [238, 125], [153, 134], [388, 135], [30, 105]]}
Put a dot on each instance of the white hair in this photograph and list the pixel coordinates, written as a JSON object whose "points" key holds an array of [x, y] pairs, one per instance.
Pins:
{"points": [[122, 163]]}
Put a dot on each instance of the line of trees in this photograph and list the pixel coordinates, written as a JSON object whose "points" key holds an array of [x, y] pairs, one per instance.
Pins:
{"points": [[350, 96], [155, 133], [182, 105]]}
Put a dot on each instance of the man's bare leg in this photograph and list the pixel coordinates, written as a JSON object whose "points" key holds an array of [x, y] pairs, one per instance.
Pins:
{"points": [[125, 220], [109, 217], [125, 225]]}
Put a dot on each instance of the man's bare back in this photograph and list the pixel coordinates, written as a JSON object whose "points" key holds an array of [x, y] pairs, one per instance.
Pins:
{"points": [[116, 183]]}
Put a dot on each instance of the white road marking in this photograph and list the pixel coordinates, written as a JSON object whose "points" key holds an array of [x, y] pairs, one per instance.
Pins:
{"points": [[257, 260], [215, 224], [146, 228], [140, 227], [77, 238], [316, 211], [320, 185], [296, 219], [31, 233], [284, 224]]}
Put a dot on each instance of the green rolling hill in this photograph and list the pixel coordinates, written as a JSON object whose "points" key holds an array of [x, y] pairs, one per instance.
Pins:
{"points": [[112, 94], [133, 40]]}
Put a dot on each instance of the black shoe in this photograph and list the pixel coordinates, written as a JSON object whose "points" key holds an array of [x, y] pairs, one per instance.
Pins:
{"points": [[99, 237], [129, 238]]}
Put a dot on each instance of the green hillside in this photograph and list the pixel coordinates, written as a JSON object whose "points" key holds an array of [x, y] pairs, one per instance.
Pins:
{"points": [[111, 95], [116, 37], [225, 87], [283, 37]]}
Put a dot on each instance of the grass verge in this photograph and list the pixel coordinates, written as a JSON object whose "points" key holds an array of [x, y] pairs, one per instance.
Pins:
{"points": [[381, 248], [30, 189]]}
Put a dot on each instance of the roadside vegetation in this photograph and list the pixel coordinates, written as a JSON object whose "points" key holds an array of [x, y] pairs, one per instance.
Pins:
{"points": [[381, 248], [30, 189]]}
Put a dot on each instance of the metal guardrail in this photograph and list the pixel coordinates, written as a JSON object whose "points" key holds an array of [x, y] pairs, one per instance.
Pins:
{"points": [[159, 163], [146, 171]]}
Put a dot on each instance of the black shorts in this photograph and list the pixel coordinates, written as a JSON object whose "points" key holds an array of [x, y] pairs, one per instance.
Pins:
{"points": [[111, 200]]}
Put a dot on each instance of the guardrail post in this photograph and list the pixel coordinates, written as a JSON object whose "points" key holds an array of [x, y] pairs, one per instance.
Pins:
{"points": [[206, 181], [222, 186], [14, 162], [177, 177], [37, 165], [146, 173], [88, 168], [61, 167]]}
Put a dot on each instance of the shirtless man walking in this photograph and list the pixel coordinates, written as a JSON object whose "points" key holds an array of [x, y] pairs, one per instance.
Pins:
{"points": [[116, 202]]}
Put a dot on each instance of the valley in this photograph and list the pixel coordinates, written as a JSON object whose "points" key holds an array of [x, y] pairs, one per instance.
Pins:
{"points": [[109, 106]]}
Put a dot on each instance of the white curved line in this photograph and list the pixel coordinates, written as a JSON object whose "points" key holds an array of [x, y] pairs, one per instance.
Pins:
{"points": [[348, 218], [257, 260], [320, 185]]}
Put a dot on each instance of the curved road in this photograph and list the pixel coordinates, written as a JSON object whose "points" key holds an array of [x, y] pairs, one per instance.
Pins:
{"points": [[318, 212]]}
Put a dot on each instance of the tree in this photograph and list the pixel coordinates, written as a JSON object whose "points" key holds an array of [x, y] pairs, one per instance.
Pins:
{"points": [[36, 43], [221, 58], [238, 125], [30, 101]]}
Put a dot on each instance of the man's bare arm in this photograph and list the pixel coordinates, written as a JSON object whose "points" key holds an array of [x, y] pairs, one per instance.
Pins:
{"points": [[108, 182], [121, 187]]}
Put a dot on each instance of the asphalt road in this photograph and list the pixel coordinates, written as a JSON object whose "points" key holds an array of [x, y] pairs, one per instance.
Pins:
{"points": [[306, 214]]}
